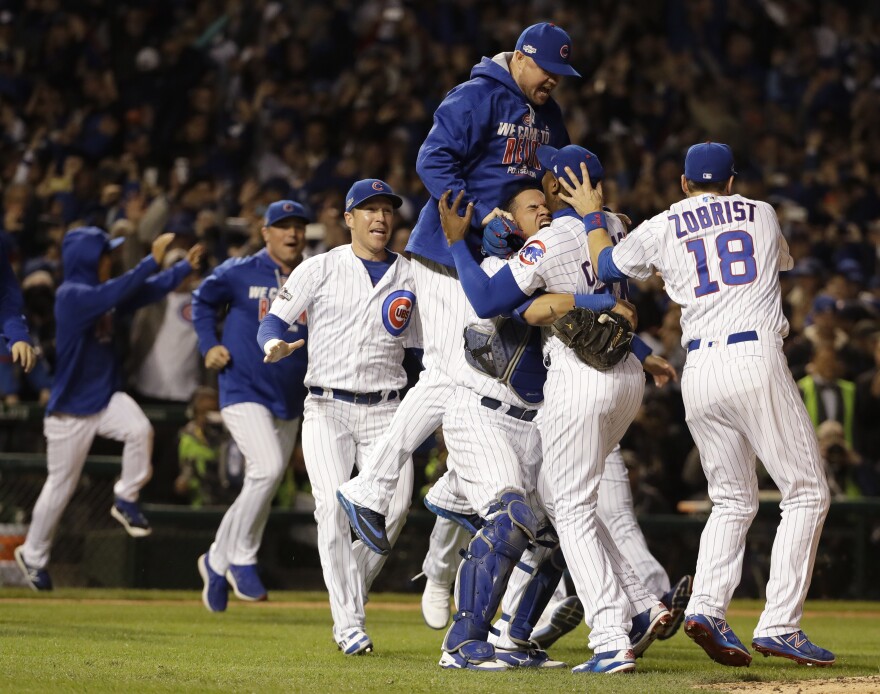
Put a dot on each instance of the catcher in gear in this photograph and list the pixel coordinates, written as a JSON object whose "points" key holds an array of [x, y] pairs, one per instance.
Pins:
{"points": [[599, 339]]}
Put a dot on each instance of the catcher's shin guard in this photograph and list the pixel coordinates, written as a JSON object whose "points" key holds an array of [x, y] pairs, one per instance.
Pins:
{"points": [[488, 562], [540, 589]]}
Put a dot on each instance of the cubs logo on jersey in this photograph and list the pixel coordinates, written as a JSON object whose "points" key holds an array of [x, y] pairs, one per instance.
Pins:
{"points": [[396, 311], [532, 252], [186, 312]]}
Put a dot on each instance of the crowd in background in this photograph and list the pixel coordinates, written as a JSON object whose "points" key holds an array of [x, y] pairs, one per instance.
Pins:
{"points": [[193, 115]]}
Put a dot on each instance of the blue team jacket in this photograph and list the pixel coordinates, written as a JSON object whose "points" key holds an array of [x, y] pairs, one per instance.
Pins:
{"points": [[87, 368], [248, 286], [484, 140]]}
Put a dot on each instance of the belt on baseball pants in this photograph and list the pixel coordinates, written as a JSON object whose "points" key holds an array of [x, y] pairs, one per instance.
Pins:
{"points": [[373, 398], [511, 411], [732, 339]]}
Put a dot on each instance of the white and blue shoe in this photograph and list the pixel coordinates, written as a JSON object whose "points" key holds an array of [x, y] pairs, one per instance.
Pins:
{"points": [[646, 626], [609, 663], [794, 646], [530, 658], [355, 642], [473, 655], [132, 518], [246, 583], [215, 592], [38, 579]]}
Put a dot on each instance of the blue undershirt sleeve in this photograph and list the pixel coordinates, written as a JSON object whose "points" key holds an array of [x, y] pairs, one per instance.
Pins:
{"points": [[595, 302], [608, 272], [640, 348], [490, 296], [271, 328]]}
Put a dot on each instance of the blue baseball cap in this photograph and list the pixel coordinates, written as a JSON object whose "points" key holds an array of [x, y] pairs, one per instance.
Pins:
{"points": [[851, 269], [709, 161], [556, 160], [370, 188], [549, 46], [286, 209], [824, 303]]}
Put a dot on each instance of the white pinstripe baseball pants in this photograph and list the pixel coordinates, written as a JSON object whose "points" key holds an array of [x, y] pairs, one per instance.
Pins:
{"points": [[68, 440], [266, 444], [741, 400], [442, 311], [337, 436], [586, 412]]}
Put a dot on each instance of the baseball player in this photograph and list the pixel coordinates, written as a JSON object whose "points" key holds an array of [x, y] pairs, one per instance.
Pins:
{"points": [[12, 323], [360, 302], [484, 140], [720, 255], [85, 399], [602, 403], [261, 404]]}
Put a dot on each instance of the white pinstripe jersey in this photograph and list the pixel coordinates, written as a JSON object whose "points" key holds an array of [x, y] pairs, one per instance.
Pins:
{"points": [[719, 257], [557, 259], [475, 380], [357, 332]]}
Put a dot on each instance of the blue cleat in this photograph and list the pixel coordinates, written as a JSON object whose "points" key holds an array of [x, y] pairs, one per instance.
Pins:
{"points": [[470, 522], [609, 663], [355, 642], [565, 617], [676, 601], [132, 518], [531, 658], [473, 655], [215, 594], [369, 525], [37, 579], [246, 583], [795, 646], [645, 627], [715, 636]]}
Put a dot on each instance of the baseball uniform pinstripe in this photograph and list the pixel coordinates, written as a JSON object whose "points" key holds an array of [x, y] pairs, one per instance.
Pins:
{"points": [[719, 257], [357, 334]]}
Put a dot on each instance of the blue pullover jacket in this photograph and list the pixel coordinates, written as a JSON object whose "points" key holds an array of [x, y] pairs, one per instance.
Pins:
{"points": [[484, 141]]}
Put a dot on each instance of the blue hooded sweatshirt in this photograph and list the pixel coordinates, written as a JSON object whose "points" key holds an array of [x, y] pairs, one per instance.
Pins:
{"points": [[87, 371], [246, 287], [484, 141]]}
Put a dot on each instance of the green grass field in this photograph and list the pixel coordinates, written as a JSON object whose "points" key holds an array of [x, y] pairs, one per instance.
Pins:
{"points": [[151, 641]]}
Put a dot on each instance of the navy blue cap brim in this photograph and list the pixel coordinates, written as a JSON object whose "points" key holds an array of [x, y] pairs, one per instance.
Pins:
{"points": [[396, 200], [557, 68], [545, 156], [292, 215]]}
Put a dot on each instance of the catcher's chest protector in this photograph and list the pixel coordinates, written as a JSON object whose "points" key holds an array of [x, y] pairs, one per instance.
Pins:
{"points": [[510, 353]]}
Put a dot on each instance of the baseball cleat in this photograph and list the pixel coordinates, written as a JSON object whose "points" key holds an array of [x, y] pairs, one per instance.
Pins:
{"points": [[473, 655], [565, 618], [37, 579], [676, 601], [715, 636], [609, 663], [531, 657], [435, 604], [645, 627], [215, 593], [795, 646], [246, 583], [469, 521], [355, 642], [132, 518], [369, 525]]}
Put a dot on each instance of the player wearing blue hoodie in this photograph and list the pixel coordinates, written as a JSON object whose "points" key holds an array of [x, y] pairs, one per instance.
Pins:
{"points": [[86, 399], [484, 141]]}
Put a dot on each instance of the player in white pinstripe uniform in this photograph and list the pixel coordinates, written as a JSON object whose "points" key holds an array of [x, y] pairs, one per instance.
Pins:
{"points": [[360, 304], [586, 412], [719, 255]]}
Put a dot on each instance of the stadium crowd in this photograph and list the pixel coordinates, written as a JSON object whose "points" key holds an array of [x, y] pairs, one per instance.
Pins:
{"points": [[143, 117]]}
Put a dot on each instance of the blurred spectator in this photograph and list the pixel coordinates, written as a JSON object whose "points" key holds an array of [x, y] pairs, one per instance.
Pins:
{"points": [[849, 477], [824, 329], [828, 397], [211, 466], [867, 410]]}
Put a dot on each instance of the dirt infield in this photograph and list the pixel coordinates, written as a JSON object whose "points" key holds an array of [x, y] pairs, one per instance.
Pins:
{"points": [[836, 685]]}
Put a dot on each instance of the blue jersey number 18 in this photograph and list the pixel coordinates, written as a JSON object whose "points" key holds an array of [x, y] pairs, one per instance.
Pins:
{"points": [[737, 266]]}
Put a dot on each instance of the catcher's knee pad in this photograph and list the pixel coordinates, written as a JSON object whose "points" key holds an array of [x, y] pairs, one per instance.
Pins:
{"points": [[485, 571], [545, 577]]}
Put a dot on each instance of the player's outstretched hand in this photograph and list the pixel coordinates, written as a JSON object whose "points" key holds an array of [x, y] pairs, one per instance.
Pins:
{"points": [[579, 193], [660, 369], [276, 350], [495, 214], [217, 357], [455, 227], [194, 255], [160, 245], [24, 354], [628, 311]]}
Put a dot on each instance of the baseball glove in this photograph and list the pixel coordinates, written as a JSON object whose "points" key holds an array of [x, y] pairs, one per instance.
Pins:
{"points": [[600, 340], [502, 238]]}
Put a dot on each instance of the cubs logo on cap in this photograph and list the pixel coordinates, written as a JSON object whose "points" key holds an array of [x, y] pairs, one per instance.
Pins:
{"points": [[286, 209], [362, 191], [397, 310], [549, 46]]}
